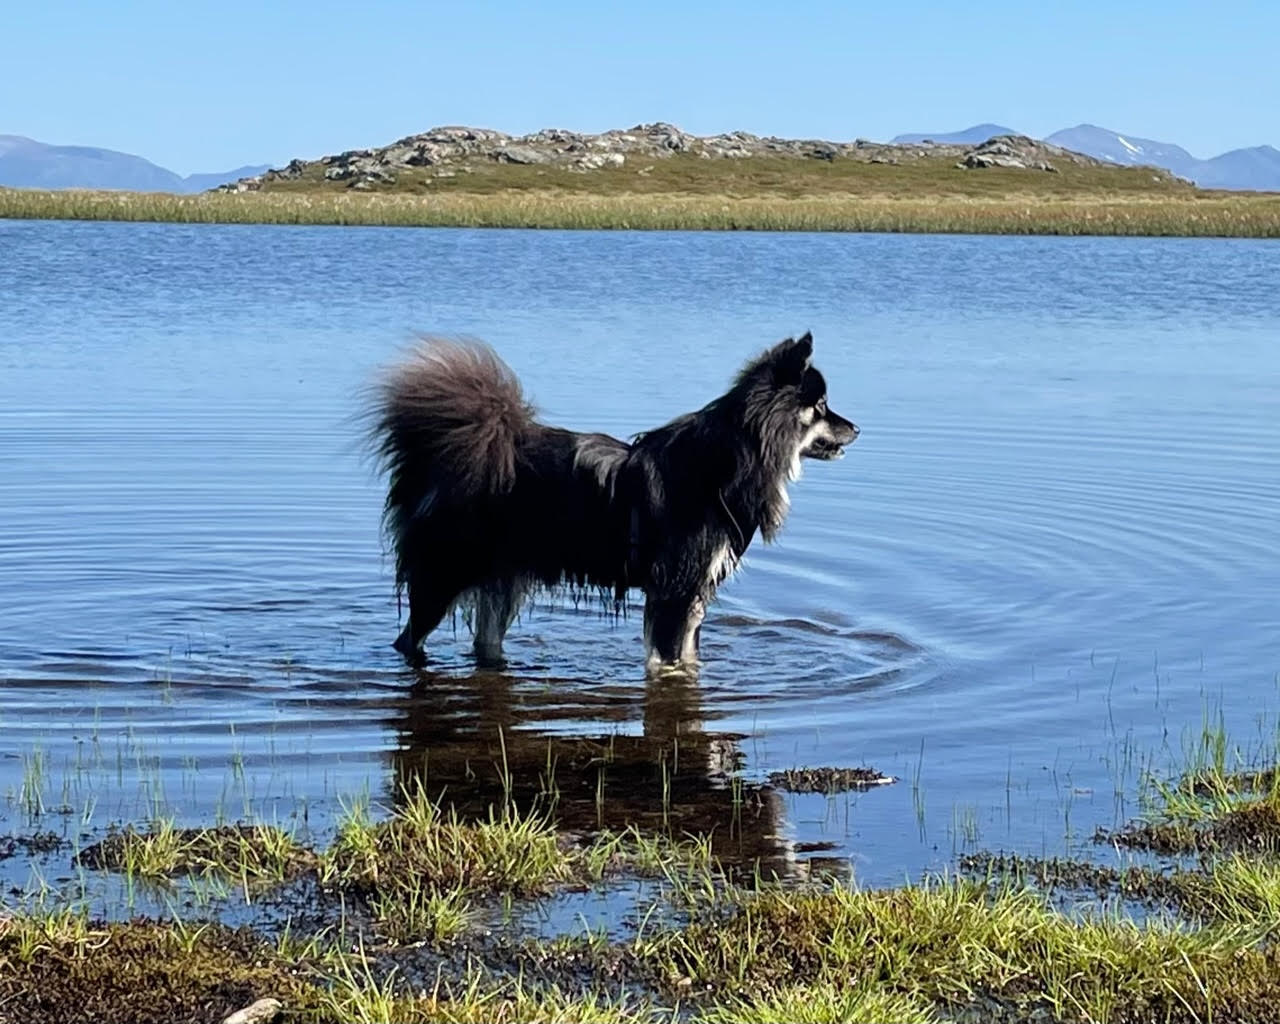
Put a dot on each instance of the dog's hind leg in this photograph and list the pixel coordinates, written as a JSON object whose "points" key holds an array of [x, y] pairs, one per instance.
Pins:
{"points": [[497, 605], [429, 600]]}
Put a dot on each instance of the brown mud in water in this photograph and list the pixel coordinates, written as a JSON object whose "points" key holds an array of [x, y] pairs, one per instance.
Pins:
{"points": [[1253, 827], [828, 780], [30, 845]]}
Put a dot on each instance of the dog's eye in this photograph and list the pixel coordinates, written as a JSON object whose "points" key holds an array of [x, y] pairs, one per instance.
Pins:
{"points": [[821, 406]]}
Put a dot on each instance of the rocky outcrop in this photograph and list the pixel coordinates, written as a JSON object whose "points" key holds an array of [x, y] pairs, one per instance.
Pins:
{"points": [[1017, 151], [449, 151]]}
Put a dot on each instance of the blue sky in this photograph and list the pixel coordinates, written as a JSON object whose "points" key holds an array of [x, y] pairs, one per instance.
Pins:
{"points": [[203, 86]]}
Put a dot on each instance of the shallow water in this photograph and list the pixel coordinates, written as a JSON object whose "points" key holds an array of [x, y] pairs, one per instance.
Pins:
{"points": [[1051, 550]]}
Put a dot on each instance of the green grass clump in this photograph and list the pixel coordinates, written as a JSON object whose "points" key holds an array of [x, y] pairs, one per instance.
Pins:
{"points": [[252, 853], [954, 947], [1238, 889], [509, 852], [1022, 212], [420, 869], [356, 995], [832, 1002]]}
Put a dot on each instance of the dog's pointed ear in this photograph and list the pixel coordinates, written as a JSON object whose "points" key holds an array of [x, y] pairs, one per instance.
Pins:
{"points": [[791, 357]]}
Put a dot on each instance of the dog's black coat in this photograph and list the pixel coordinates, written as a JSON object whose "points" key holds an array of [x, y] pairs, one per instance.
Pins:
{"points": [[486, 504]]}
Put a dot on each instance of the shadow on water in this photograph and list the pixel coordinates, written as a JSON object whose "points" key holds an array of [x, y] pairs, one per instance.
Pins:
{"points": [[478, 741]]}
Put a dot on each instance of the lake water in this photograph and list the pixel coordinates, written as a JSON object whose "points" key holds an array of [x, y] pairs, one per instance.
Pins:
{"points": [[1051, 554]]}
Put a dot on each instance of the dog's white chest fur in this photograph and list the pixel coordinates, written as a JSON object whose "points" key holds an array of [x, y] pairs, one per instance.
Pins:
{"points": [[723, 564]]}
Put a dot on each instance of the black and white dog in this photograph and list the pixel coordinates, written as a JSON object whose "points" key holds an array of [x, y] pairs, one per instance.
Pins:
{"points": [[486, 504]]}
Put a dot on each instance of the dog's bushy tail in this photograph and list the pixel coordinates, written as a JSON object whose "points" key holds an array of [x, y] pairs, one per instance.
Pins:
{"points": [[448, 423]]}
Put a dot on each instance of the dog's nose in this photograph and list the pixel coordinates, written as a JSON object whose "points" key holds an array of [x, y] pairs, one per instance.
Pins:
{"points": [[853, 428]]}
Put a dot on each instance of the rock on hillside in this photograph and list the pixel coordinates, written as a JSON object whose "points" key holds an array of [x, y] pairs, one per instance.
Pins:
{"points": [[450, 150]]}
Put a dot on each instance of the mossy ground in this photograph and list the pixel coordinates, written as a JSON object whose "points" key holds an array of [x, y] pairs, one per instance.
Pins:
{"points": [[64, 969]]}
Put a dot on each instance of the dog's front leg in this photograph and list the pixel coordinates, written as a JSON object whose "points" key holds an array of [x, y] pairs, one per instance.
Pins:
{"points": [[672, 627]]}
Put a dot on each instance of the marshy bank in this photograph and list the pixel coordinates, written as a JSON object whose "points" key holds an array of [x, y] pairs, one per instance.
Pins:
{"points": [[395, 921]]}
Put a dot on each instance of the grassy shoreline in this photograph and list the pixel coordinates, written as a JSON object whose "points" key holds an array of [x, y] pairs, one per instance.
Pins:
{"points": [[1188, 214], [993, 943]]}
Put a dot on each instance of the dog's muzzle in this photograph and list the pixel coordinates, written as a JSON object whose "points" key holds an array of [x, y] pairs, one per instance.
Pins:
{"points": [[830, 444]]}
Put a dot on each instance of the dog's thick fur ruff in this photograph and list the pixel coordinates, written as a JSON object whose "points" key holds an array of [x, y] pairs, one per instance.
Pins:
{"points": [[485, 504]]}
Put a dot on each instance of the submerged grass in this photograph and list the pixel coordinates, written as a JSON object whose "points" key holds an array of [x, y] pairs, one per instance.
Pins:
{"points": [[1019, 211]]}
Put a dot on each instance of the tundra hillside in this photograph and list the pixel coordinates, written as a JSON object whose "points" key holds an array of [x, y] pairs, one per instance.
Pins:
{"points": [[659, 177]]}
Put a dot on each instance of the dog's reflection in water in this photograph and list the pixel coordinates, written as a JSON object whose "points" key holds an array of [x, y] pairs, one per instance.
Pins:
{"points": [[481, 740]]}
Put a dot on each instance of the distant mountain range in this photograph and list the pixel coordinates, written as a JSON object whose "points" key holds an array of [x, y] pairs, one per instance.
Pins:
{"points": [[978, 133], [1257, 168], [26, 163]]}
